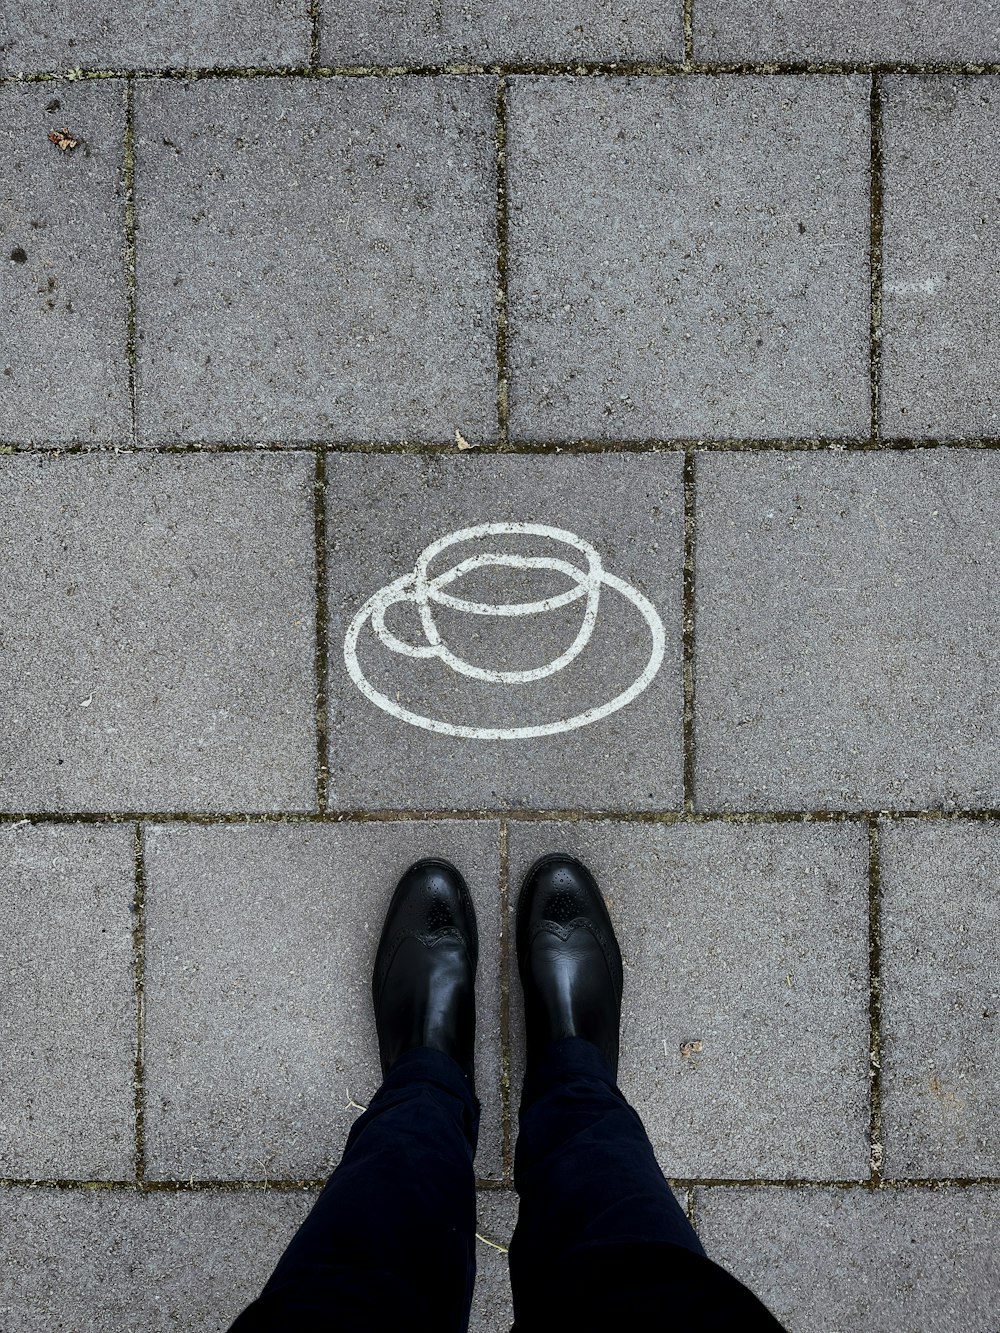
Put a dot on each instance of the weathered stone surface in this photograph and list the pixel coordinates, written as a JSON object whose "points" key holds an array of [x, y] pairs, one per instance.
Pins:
{"points": [[67, 1008], [745, 1018], [63, 331], [418, 32], [260, 942], [492, 1311], [316, 259], [845, 30], [158, 620], [940, 999], [941, 233], [115, 1261], [846, 651], [383, 511], [688, 257], [824, 1260], [103, 34], [193, 1259]]}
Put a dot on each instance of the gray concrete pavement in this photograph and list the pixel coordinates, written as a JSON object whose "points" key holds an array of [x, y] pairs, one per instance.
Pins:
{"points": [[745, 1018], [869, 679], [64, 297], [263, 302], [479, 430], [720, 279], [830, 1259]]}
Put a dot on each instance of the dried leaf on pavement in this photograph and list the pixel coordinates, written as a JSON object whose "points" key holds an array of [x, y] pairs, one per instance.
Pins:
{"points": [[63, 139]]}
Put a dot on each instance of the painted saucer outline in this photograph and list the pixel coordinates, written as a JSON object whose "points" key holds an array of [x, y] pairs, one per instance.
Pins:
{"points": [[415, 586]]}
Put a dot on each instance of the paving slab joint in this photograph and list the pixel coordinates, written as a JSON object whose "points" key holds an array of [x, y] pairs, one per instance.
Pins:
{"points": [[128, 190], [322, 634], [688, 626], [139, 983], [875, 1001], [280, 1185], [541, 68], [314, 28], [525, 448], [202, 818], [875, 257], [501, 266], [688, 33]]}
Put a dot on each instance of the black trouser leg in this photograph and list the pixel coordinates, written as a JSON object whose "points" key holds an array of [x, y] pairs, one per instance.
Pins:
{"points": [[601, 1242], [390, 1243]]}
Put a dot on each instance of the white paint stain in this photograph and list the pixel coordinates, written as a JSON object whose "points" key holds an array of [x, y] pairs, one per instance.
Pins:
{"points": [[419, 589], [916, 286]]}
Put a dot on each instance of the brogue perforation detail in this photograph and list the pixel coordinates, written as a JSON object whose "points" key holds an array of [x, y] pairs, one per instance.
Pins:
{"points": [[563, 906]]}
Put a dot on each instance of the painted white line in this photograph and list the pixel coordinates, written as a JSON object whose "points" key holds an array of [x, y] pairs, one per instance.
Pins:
{"points": [[418, 588]]}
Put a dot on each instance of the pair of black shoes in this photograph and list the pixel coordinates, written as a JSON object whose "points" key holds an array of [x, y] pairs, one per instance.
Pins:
{"points": [[425, 968]]}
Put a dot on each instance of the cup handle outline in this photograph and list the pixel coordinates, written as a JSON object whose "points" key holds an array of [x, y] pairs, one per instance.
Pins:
{"points": [[400, 590]]}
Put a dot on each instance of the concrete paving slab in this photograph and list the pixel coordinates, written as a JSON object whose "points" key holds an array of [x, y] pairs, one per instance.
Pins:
{"points": [[846, 30], [415, 32], [824, 1260], [260, 942], [383, 511], [940, 999], [160, 618], [745, 1018], [316, 259], [116, 1261], [104, 35], [941, 234], [688, 257], [67, 1005], [194, 1258], [63, 334], [492, 1308], [845, 650]]}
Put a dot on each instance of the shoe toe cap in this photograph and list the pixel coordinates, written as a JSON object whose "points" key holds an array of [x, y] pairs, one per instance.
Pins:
{"points": [[432, 896], [559, 888]]}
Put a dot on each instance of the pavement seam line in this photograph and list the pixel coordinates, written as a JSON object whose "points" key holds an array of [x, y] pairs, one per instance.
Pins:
{"points": [[205, 818], [875, 1000], [500, 166], [128, 188], [875, 259], [688, 629], [322, 651], [688, 24], [527, 448], [558, 69], [139, 988], [194, 1185], [314, 27]]}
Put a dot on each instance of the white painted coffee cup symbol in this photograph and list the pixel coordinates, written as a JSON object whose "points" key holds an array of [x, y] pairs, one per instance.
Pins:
{"points": [[424, 591]]}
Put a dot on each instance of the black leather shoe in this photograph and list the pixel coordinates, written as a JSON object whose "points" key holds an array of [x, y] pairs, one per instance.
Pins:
{"points": [[569, 959], [423, 986]]}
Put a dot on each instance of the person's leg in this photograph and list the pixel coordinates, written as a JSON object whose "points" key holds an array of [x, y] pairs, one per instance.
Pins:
{"points": [[584, 1168], [600, 1240], [390, 1241]]}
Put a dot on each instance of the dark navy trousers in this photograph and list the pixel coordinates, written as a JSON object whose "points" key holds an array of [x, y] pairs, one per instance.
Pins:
{"points": [[600, 1238]]}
